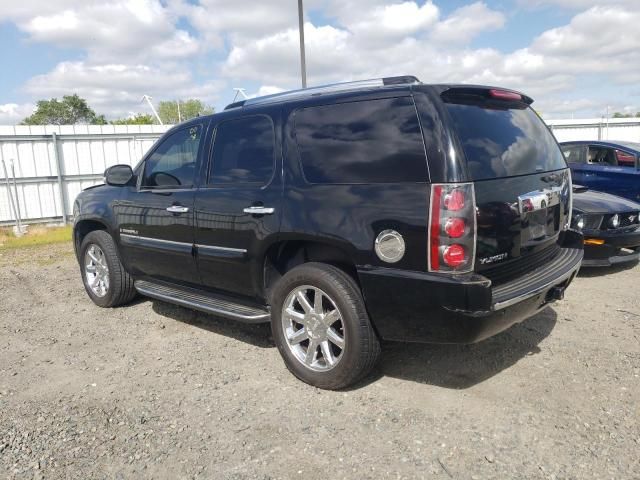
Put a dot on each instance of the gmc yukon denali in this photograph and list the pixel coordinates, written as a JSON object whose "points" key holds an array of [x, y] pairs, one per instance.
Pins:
{"points": [[344, 215]]}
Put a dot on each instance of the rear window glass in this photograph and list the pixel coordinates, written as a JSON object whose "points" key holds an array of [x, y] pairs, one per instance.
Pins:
{"points": [[373, 141], [504, 142]]}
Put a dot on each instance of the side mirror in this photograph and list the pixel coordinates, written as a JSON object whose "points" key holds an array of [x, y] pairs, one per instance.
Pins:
{"points": [[118, 175]]}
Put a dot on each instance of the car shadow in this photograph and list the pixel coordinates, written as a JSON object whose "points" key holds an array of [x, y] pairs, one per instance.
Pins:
{"points": [[447, 366], [463, 366], [256, 334], [589, 272]]}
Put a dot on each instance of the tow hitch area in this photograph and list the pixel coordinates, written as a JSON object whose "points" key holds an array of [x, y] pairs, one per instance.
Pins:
{"points": [[556, 293]]}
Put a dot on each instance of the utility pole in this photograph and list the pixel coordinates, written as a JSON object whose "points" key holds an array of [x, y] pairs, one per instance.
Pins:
{"points": [[303, 63], [179, 116]]}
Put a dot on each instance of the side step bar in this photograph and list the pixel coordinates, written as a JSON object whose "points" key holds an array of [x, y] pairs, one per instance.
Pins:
{"points": [[205, 302]]}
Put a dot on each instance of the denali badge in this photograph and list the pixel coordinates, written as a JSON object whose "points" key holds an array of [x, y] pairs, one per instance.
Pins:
{"points": [[494, 258], [129, 231]]}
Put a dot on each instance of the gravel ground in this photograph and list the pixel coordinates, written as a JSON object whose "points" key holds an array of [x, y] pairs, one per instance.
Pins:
{"points": [[157, 391]]}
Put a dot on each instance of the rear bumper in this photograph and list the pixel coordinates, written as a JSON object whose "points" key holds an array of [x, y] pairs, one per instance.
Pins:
{"points": [[618, 248], [432, 308]]}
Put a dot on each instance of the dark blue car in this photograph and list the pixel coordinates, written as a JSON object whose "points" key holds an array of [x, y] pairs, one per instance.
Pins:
{"points": [[610, 167]]}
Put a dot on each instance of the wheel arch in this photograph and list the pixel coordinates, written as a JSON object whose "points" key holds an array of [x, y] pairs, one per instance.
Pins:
{"points": [[83, 227], [285, 254]]}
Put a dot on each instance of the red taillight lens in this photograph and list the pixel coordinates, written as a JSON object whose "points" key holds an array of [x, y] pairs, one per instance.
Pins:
{"points": [[454, 255], [452, 228], [454, 201], [455, 227]]}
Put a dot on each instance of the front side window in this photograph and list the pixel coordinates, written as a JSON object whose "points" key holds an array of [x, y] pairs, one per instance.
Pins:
{"points": [[371, 141], [601, 156], [173, 163], [243, 151]]}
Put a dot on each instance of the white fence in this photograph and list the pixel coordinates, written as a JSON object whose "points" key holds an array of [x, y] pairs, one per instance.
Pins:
{"points": [[54, 163], [623, 129]]}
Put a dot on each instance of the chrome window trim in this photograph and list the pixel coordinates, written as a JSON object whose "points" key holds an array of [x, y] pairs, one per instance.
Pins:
{"points": [[222, 249], [158, 240]]}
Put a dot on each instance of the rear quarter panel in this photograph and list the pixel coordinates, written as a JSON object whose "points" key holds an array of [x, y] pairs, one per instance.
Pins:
{"points": [[350, 216]]}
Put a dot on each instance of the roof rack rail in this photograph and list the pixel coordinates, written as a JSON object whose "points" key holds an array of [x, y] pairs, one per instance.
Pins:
{"points": [[331, 88]]}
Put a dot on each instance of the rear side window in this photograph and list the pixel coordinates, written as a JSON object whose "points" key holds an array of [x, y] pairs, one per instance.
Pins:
{"points": [[573, 153], [373, 141], [243, 151], [504, 142]]}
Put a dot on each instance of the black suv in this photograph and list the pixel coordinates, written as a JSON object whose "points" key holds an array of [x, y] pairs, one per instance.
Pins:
{"points": [[344, 215]]}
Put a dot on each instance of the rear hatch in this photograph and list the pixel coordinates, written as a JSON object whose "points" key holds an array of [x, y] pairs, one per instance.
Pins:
{"points": [[521, 181]]}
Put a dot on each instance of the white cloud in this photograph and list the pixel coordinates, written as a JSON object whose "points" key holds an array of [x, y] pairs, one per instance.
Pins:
{"points": [[385, 23], [113, 89], [117, 30], [133, 47], [13, 113], [466, 23]]}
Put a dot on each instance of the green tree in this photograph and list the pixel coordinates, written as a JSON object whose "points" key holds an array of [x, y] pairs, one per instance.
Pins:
{"points": [[168, 110], [137, 119], [70, 111]]}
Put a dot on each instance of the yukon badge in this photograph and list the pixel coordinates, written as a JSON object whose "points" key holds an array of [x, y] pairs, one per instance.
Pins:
{"points": [[493, 259]]}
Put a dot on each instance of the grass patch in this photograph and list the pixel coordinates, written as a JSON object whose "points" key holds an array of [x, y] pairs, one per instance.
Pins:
{"points": [[36, 235]]}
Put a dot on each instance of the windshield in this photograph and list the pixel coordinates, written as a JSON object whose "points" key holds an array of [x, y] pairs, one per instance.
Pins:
{"points": [[504, 142]]}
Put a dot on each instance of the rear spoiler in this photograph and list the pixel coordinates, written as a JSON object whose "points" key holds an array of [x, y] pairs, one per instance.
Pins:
{"points": [[492, 95]]}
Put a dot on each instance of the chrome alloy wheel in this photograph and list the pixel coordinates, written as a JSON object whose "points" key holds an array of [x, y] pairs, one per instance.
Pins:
{"points": [[96, 270], [313, 328]]}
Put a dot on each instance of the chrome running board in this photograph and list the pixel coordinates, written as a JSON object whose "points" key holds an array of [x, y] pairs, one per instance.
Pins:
{"points": [[203, 301]]}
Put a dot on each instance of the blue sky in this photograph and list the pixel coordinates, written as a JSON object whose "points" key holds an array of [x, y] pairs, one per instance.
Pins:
{"points": [[575, 57]]}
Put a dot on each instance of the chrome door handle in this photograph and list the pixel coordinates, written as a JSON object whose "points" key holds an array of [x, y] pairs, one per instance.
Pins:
{"points": [[259, 210], [177, 209]]}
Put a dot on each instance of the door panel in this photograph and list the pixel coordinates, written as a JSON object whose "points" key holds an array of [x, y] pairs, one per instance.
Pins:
{"points": [[154, 241], [244, 172], [156, 219], [623, 181]]}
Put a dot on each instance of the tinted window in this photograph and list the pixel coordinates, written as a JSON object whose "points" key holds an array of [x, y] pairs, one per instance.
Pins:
{"points": [[625, 159], [601, 156], [243, 151], [573, 153], [173, 162], [504, 142], [374, 141]]}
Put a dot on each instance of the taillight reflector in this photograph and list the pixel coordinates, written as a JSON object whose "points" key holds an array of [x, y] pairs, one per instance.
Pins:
{"points": [[454, 201], [505, 95], [454, 255], [455, 227]]}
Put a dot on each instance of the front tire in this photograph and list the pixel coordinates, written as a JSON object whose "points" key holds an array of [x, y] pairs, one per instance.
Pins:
{"points": [[105, 279], [321, 326]]}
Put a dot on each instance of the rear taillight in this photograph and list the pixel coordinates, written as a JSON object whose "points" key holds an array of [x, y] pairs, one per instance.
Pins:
{"points": [[505, 95], [452, 228]]}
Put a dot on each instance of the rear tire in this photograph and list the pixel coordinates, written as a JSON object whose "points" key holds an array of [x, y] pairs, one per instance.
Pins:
{"points": [[105, 279], [321, 326]]}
